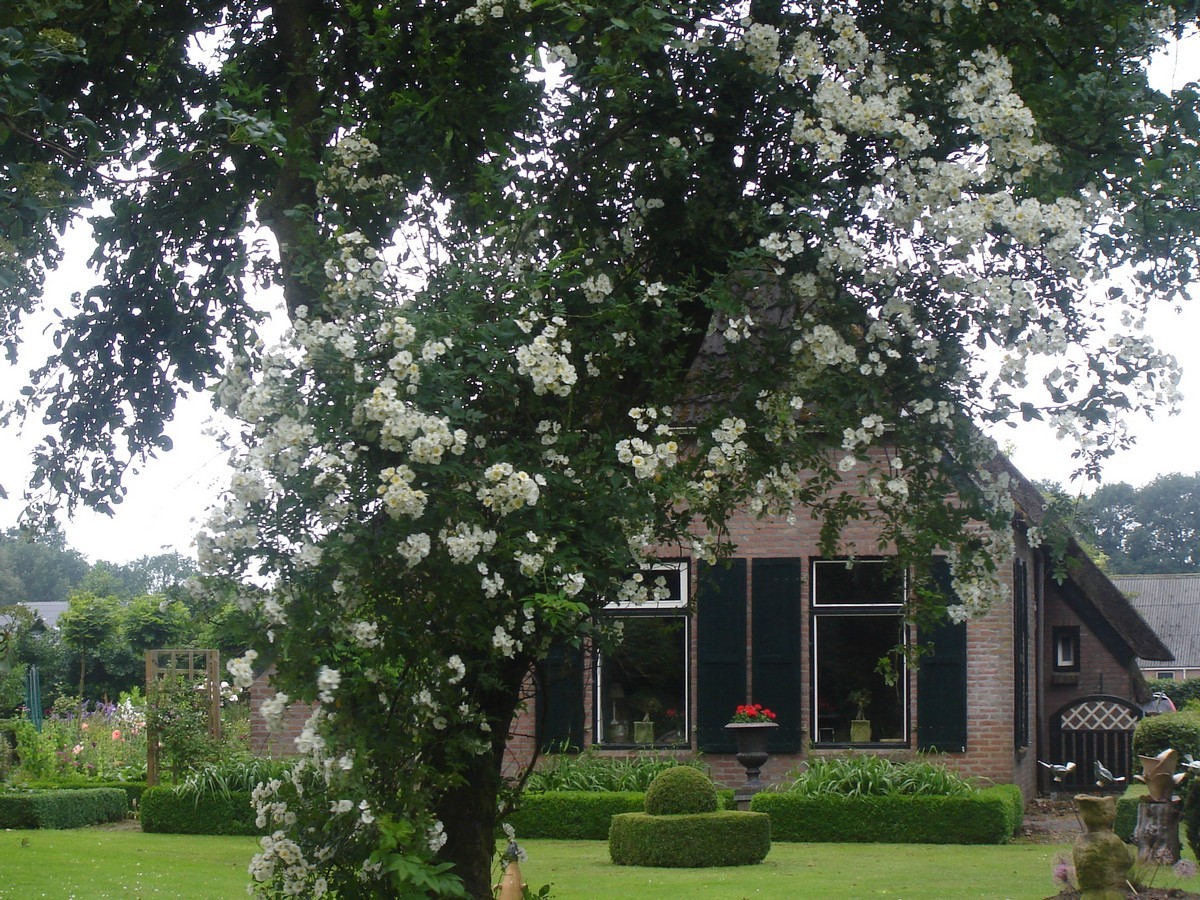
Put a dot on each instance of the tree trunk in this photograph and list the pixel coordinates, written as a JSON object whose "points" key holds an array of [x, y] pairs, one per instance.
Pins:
{"points": [[1157, 831], [469, 811]]}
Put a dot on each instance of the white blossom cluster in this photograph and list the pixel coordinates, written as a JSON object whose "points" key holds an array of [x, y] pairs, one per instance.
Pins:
{"points": [[645, 458], [546, 361], [240, 669], [506, 489], [465, 542], [761, 45], [482, 10]]}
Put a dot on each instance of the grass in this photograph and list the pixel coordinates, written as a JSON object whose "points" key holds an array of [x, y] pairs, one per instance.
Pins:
{"points": [[93, 863], [96, 863]]}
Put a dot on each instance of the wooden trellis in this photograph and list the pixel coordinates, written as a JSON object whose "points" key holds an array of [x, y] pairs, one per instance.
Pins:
{"points": [[203, 667]]}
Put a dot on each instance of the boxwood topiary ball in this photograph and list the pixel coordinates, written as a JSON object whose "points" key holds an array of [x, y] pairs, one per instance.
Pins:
{"points": [[681, 790]]}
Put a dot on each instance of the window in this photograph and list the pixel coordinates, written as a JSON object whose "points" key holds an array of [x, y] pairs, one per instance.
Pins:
{"points": [[858, 636], [642, 678], [1066, 648], [1167, 676]]}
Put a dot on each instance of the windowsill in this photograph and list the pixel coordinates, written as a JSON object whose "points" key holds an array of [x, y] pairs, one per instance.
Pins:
{"points": [[632, 746], [897, 744], [1064, 678]]}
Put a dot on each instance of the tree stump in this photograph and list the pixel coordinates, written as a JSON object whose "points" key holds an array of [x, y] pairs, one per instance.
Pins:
{"points": [[1157, 831]]}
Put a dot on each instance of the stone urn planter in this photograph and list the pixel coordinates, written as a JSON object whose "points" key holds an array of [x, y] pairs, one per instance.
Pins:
{"points": [[751, 738]]}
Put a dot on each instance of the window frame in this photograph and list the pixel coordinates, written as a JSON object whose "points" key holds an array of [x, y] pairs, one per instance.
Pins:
{"points": [[675, 607], [1065, 637], [892, 610]]}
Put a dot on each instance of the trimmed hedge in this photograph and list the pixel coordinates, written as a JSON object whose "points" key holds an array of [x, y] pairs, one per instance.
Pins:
{"points": [[990, 816], [573, 815], [679, 791], [133, 789], [1179, 730], [1127, 810], [690, 841], [62, 809], [580, 815], [168, 811]]}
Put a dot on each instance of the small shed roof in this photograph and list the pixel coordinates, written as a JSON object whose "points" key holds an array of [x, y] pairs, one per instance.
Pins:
{"points": [[1170, 604], [49, 610]]}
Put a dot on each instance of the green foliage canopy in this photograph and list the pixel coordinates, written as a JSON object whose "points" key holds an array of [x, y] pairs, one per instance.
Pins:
{"points": [[568, 282]]}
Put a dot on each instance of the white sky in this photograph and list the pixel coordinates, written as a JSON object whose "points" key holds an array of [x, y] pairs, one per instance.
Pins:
{"points": [[167, 500]]}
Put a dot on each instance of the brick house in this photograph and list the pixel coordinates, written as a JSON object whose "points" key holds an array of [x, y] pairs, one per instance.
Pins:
{"points": [[802, 634]]}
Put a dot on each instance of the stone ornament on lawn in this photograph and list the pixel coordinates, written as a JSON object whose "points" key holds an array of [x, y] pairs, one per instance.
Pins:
{"points": [[1102, 861], [1159, 775], [1157, 830]]}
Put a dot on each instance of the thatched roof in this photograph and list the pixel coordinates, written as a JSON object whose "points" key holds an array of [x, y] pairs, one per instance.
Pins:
{"points": [[1096, 588]]}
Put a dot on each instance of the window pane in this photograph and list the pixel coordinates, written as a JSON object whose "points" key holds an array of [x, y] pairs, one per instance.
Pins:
{"points": [[643, 682], [848, 649], [866, 583]]}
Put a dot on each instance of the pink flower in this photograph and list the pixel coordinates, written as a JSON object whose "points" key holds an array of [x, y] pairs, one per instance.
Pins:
{"points": [[116, 735], [77, 749], [84, 726]]}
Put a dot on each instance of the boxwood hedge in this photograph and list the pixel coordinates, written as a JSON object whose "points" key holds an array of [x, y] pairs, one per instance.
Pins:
{"points": [[580, 815], [61, 809], [989, 816], [690, 841], [169, 811]]}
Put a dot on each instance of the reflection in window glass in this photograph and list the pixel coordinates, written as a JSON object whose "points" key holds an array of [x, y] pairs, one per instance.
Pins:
{"points": [[643, 682]]}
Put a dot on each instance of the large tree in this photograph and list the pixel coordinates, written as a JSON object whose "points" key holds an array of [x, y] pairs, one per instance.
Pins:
{"points": [[1153, 529], [569, 282]]}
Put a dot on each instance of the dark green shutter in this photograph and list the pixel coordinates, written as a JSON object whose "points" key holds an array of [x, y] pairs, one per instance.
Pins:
{"points": [[560, 700], [720, 651], [942, 679], [775, 680]]}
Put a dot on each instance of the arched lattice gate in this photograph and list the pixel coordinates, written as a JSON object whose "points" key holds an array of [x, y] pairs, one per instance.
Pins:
{"points": [[1087, 730]]}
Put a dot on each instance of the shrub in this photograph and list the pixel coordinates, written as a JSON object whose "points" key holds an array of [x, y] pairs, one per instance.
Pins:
{"points": [[580, 815], [873, 776], [987, 816], [171, 811], [34, 751], [61, 809], [679, 791], [1179, 731], [690, 841], [1127, 811], [589, 771], [131, 789], [573, 815]]}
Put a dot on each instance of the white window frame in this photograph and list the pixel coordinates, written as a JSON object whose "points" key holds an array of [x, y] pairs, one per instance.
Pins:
{"points": [[676, 607]]}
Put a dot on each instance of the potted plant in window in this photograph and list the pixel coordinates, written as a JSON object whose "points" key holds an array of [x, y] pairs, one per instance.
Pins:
{"points": [[643, 731], [860, 725], [750, 726]]}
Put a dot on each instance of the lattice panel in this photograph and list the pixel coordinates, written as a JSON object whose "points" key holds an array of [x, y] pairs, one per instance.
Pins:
{"points": [[1099, 715]]}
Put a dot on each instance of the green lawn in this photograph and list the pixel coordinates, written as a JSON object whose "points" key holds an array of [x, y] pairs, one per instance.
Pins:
{"points": [[95, 863]]}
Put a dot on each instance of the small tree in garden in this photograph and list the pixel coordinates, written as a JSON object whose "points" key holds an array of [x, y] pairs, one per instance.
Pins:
{"points": [[567, 283]]}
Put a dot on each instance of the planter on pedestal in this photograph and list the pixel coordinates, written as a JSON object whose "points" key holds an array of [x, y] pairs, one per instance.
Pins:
{"points": [[860, 731], [752, 753]]}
